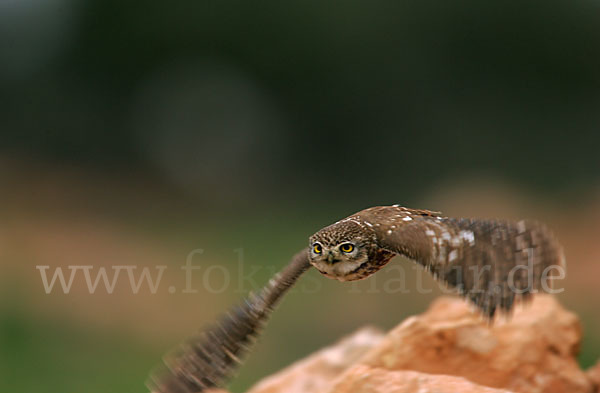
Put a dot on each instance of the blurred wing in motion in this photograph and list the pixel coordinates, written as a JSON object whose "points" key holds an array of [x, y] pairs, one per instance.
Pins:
{"points": [[210, 359], [490, 262]]}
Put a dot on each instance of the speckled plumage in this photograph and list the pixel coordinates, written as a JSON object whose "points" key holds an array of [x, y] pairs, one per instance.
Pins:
{"points": [[485, 260]]}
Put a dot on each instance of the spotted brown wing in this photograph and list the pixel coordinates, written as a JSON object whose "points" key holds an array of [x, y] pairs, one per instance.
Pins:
{"points": [[491, 262]]}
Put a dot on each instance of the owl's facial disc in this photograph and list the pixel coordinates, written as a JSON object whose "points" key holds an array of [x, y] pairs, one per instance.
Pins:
{"points": [[338, 260], [343, 250]]}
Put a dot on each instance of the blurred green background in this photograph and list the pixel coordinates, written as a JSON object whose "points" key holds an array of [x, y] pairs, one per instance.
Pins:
{"points": [[132, 133]]}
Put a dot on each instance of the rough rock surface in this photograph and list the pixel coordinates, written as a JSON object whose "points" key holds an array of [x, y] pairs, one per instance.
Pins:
{"points": [[365, 379], [533, 352], [450, 349], [593, 374], [315, 373]]}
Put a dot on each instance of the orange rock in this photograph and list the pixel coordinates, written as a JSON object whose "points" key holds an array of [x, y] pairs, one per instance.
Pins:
{"points": [[593, 374], [365, 379], [533, 352], [316, 372], [450, 349]]}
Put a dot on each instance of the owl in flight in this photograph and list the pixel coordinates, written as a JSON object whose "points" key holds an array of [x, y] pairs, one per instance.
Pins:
{"points": [[492, 263]]}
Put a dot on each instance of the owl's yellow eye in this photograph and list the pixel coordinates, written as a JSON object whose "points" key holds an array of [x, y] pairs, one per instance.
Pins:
{"points": [[317, 248], [347, 247]]}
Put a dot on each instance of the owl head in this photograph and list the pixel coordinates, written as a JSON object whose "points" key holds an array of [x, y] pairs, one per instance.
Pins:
{"points": [[342, 251]]}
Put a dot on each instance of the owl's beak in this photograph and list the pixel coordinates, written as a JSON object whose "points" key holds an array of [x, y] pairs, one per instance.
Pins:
{"points": [[330, 257]]}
